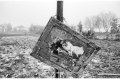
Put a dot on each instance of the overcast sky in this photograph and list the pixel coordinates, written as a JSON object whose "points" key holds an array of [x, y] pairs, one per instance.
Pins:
{"points": [[39, 12]]}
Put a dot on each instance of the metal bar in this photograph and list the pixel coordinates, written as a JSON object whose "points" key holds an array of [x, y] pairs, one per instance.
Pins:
{"points": [[60, 18]]}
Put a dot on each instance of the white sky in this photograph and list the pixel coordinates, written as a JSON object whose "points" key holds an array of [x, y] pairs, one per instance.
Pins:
{"points": [[28, 12]]}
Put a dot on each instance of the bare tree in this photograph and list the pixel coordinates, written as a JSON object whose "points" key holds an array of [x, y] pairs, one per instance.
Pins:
{"points": [[14, 29], [103, 20], [20, 28], [98, 23], [36, 28], [108, 20], [114, 28], [6, 27], [79, 27], [88, 23]]}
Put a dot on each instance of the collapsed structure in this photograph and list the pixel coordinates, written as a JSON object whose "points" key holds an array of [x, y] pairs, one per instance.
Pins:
{"points": [[63, 48]]}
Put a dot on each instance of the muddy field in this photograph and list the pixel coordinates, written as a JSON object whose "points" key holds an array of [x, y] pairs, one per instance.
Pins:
{"points": [[107, 60], [15, 59]]}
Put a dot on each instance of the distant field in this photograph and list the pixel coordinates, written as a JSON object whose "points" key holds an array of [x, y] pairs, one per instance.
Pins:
{"points": [[17, 34]]}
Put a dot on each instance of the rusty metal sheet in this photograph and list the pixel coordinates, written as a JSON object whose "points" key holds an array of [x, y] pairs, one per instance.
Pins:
{"points": [[58, 47]]}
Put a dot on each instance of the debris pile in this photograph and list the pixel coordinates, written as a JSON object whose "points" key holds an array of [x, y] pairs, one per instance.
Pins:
{"points": [[16, 62], [107, 60]]}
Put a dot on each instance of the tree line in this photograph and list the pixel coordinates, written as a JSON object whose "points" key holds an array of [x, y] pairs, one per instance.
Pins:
{"points": [[107, 22], [7, 27], [103, 22]]}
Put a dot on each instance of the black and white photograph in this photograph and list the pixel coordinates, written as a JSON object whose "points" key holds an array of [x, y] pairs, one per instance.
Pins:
{"points": [[59, 38]]}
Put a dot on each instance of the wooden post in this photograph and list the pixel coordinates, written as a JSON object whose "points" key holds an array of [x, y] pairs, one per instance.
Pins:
{"points": [[60, 18]]}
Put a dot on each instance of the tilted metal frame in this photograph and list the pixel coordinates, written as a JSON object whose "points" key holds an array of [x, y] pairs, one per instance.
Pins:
{"points": [[41, 44]]}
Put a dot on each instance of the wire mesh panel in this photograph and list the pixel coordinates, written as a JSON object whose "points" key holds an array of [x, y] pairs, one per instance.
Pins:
{"points": [[63, 48]]}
